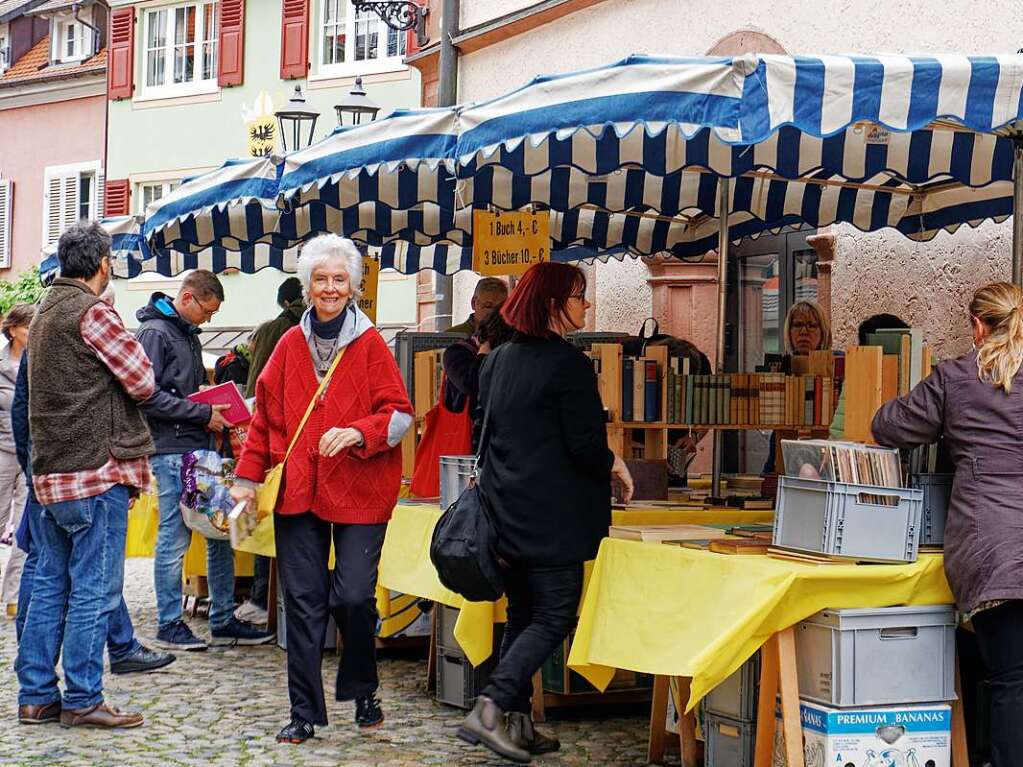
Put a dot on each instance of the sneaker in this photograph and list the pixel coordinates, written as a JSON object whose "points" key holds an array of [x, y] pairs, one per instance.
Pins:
{"points": [[250, 612], [296, 731], [237, 632], [140, 661], [178, 636], [368, 713]]}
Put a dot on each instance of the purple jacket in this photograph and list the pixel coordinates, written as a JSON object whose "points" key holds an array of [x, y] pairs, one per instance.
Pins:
{"points": [[983, 431]]}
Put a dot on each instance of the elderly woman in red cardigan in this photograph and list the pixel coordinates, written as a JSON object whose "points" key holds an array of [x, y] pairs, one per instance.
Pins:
{"points": [[340, 483]]}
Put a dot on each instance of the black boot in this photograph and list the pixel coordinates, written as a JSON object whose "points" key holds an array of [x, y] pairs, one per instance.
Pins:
{"points": [[485, 724], [524, 734]]}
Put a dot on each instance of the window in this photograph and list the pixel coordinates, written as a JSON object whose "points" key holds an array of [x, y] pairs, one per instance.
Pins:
{"points": [[180, 49], [357, 41], [72, 41], [70, 193], [151, 191], [5, 50], [6, 233]]}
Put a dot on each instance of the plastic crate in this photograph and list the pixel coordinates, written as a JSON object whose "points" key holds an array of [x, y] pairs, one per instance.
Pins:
{"points": [[729, 743], [878, 657], [937, 490], [736, 697], [846, 520], [445, 618], [455, 471], [458, 682]]}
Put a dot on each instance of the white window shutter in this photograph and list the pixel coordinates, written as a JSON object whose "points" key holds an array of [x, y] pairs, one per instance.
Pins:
{"points": [[69, 203], [100, 195], [52, 206], [6, 233]]}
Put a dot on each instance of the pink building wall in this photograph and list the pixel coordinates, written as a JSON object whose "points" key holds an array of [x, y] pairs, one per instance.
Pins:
{"points": [[33, 138]]}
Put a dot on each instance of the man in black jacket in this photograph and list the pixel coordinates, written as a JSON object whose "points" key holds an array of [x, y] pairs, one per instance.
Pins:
{"points": [[169, 333]]}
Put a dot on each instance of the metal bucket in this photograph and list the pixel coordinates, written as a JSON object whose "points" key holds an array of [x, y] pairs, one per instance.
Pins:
{"points": [[455, 471]]}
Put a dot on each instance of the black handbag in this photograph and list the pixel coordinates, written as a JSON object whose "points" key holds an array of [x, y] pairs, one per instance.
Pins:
{"points": [[463, 548]]}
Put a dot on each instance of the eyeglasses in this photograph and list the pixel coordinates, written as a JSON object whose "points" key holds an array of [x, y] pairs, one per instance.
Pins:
{"points": [[805, 326], [578, 296], [209, 314]]}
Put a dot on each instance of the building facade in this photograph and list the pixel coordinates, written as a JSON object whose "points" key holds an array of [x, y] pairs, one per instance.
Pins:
{"points": [[52, 123], [192, 84], [505, 43]]}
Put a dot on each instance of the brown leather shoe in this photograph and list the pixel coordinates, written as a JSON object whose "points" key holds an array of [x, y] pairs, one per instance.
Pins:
{"points": [[44, 714], [100, 715], [485, 724]]}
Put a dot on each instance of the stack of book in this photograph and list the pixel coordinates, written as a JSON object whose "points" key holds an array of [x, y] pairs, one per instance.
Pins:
{"points": [[848, 462], [641, 390], [750, 399]]}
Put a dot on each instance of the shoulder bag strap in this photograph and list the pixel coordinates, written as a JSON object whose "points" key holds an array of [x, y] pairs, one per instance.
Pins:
{"points": [[484, 442], [312, 403]]}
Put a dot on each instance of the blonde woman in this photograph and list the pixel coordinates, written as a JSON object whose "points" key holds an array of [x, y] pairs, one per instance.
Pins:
{"points": [[806, 329], [975, 404]]}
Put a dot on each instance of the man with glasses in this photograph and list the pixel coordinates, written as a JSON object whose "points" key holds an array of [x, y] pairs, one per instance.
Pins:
{"points": [[169, 332]]}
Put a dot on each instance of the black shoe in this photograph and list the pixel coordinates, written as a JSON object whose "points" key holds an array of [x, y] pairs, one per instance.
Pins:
{"points": [[236, 632], [143, 659], [178, 636], [368, 713], [296, 731]]}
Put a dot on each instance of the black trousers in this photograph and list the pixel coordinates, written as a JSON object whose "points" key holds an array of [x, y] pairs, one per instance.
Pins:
{"points": [[542, 607], [1000, 638], [312, 593]]}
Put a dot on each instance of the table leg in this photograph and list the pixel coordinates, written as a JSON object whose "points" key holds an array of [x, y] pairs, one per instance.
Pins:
{"points": [[431, 661], [686, 724], [658, 715], [765, 707], [788, 683], [960, 751], [539, 709]]}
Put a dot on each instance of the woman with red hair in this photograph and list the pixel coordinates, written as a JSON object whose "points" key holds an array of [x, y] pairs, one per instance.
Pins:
{"points": [[547, 478]]}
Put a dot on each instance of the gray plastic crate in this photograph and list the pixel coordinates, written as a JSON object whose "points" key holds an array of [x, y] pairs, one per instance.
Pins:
{"points": [[937, 490], [458, 683], [445, 618], [736, 697], [878, 657], [844, 520], [729, 743]]}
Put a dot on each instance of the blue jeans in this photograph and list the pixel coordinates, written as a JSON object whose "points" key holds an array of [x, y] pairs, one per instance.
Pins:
{"points": [[80, 570], [121, 641], [172, 540]]}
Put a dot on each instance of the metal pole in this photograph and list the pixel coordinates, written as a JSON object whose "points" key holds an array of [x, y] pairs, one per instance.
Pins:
{"points": [[724, 206], [447, 95], [1017, 211]]}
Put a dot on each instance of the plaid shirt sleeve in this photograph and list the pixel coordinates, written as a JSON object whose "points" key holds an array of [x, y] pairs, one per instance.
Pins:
{"points": [[105, 334]]}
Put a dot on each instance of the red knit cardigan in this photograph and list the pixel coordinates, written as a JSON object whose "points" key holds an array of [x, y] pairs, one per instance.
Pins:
{"points": [[359, 485]]}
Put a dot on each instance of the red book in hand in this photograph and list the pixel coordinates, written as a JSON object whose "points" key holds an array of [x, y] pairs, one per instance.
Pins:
{"points": [[225, 394]]}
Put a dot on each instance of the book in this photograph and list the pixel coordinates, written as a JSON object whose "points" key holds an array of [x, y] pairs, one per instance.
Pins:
{"points": [[651, 392], [638, 384], [657, 533], [229, 394]]}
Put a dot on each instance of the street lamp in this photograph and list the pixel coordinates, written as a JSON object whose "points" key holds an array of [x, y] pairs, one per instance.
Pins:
{"points": [[293, 118], [356, 104], [400, 15]]}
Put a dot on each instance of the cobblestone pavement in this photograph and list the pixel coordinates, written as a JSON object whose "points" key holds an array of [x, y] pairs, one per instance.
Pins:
{"points": [[221, 708]]}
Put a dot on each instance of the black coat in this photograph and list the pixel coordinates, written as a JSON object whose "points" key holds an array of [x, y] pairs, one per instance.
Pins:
{"points": [[547, 472]]}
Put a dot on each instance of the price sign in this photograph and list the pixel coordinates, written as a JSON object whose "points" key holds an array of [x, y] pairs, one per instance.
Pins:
{"points": [[509, 243], [370, 284]]}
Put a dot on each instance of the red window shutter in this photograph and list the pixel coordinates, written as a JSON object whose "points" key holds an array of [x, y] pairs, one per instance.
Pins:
{"points": [[412, 37], [294, 39], [121, 53], [232, 42], [117, 198]]}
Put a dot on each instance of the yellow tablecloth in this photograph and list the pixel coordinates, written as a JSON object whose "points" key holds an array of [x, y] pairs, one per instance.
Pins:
{"points": [[405, 563], [667, 610]]}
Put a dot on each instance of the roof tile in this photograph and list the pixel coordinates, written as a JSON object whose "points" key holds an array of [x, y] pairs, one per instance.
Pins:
{"points": [[35, 66]]}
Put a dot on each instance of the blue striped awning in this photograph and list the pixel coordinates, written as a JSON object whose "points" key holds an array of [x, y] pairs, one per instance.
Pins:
{"points": [[914, 144]]}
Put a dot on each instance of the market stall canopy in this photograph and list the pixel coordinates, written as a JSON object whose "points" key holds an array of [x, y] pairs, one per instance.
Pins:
{"points": [[630, 159]]}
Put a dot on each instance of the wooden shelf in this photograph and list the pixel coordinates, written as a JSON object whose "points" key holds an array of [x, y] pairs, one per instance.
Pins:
{"points": [[749, 427]]}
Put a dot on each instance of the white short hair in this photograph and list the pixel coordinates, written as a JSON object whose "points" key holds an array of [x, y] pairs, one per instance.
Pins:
{"points": [[321, 249]]}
